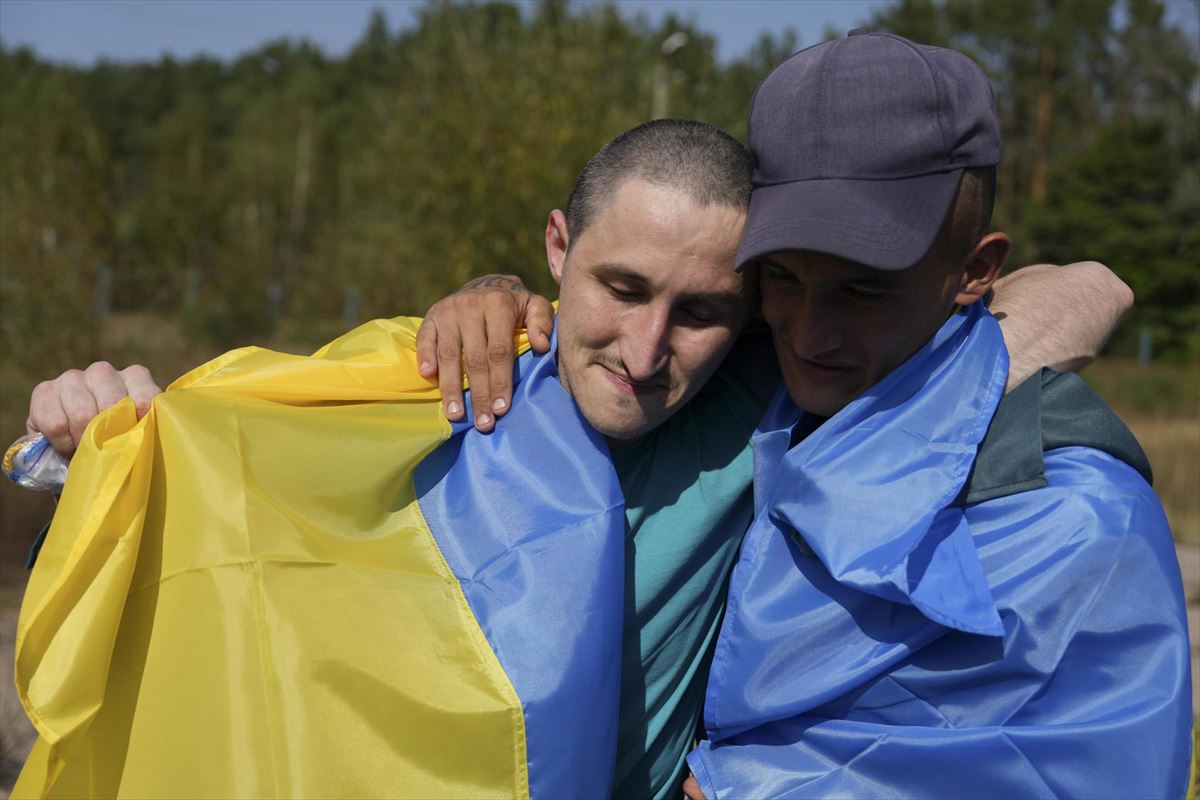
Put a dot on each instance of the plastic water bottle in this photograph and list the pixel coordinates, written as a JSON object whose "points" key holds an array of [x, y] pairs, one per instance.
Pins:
{"points": [[32, 463]]}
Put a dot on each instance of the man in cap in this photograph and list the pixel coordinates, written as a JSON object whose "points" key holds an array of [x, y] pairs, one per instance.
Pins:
{"points": [[944, 593]]}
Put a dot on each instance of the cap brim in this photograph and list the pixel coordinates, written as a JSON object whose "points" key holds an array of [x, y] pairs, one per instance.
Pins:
{"points": [[885, 224]]}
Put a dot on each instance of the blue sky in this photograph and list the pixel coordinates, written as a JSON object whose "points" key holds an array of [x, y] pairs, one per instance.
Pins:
{"points": [[81, 31]]}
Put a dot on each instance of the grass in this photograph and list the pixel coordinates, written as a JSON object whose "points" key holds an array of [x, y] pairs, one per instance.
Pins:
{"points": [[1151, 390], [1173, 447], [1161, 405]]}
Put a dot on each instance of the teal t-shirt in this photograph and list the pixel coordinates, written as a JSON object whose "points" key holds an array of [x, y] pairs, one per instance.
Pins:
{"points": [[688, 501]]}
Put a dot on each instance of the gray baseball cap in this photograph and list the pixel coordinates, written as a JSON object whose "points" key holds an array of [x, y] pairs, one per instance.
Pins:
{"points": [[860, 144]]}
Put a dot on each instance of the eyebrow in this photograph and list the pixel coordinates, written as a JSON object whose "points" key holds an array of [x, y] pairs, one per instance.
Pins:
{"points": [[612, 269], [609, 269], [873, 277]]}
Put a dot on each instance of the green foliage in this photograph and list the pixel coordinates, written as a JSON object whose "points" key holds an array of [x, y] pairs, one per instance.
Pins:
{"points": [[277, 189], [1118, 200], [55, 224]]}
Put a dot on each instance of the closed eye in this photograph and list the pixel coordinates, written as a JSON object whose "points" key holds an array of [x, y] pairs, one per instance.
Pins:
{"points": [[866, 293], [777, 273], [699, 316], [623, 295]]}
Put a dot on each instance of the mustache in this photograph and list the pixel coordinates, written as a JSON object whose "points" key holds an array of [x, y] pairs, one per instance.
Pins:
{"points": [[660, 378]]}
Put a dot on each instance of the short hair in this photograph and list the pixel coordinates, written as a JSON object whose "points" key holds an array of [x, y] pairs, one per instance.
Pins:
{"points": [[970, 215], [704, 162]]}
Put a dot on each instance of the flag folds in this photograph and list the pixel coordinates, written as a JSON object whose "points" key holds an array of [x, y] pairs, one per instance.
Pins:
{"points": [[889, 636], [294, 577]]}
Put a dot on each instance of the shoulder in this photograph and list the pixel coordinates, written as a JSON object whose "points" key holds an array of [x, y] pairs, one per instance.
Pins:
{"points": [[1094, 530], [1092, 484], [1082, 483], [1071, 413]]}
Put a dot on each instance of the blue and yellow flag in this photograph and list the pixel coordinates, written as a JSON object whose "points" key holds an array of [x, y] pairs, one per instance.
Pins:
{"points": [[295, 578]]}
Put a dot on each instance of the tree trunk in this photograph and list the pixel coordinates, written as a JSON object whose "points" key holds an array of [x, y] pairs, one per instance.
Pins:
{"points": [[301, 176], [1042, 125]]}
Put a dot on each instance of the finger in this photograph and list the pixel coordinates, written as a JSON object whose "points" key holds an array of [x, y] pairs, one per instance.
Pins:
{"points": [[140, 385], [449, 371], [539, 322], [78, 403], [500, 320], [47, 417], [475, 360], [427, 363], [105, 384]]}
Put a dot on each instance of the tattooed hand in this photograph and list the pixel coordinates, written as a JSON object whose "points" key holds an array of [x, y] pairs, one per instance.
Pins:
{"points": [[473, 329], [510, 282]]}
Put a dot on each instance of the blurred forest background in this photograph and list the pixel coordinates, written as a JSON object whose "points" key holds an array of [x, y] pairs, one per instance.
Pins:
{"points": [[162, 212]]}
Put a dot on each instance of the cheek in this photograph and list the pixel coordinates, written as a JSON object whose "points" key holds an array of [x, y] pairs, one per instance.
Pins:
{"points": [[890, 339], [785, 304], [774, 310], [586, 319]]}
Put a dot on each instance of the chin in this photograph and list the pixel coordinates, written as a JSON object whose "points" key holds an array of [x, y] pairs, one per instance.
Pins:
{"points": [[614, 424], [621, 429], [822, 404]]}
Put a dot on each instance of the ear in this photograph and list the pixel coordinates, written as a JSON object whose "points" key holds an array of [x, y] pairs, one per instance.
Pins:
{"points": [[558, 240], [982, 267]]}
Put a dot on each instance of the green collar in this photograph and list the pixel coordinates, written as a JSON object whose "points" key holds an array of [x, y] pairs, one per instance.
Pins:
{"points": [[1046, 412]]}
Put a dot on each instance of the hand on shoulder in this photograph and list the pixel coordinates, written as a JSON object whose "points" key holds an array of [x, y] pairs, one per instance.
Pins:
{"points": [[472, 331]]}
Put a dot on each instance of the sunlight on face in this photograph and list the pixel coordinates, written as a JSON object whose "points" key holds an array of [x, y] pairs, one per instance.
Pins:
{"points": [[649, 305]]}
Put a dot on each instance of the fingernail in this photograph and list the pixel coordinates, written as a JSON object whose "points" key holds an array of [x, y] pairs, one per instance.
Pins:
{"points": [[424, 367], [483, 419], [453, 408], [498, 405]]}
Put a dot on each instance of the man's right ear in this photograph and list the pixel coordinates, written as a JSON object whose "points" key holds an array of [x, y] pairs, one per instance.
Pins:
{"points": [[558, 240]]}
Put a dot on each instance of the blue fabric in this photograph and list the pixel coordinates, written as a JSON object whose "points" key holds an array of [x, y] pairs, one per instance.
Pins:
{"points": [[530, 519], [1031, 645]]}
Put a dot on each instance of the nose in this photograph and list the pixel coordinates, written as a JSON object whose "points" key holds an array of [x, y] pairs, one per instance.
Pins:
{"points": [[814, 327], [645, 345]]}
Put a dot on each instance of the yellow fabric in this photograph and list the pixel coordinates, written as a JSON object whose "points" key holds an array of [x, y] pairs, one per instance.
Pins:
{"points": [[1193, 789], [239, 597]]}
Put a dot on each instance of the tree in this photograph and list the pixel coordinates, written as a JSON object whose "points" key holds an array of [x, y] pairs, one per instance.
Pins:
{"points": [[55, 227], [1119, 201]]}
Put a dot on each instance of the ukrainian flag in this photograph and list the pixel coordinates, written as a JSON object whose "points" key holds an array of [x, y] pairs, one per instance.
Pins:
{"points": [[294, 578]]}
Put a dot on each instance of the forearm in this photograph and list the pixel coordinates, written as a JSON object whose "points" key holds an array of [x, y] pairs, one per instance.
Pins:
{"points": [[1056, 316]]}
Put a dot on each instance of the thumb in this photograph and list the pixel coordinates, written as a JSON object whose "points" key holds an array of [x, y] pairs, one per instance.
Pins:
{"points": [[539, 322]]}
